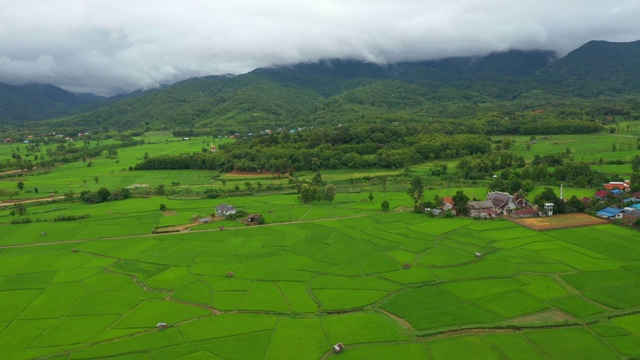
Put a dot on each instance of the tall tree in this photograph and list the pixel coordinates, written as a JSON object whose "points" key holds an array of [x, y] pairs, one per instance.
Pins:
{"points": [[461, 200], [416, 191]]}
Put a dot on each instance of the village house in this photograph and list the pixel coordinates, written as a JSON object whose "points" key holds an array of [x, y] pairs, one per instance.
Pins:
{"points": [[610, 213], [225, 210], [448, 204], [601, 195], [484, 209]]}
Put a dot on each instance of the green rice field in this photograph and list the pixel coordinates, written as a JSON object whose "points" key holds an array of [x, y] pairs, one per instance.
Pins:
{"points": [[386, 285]]}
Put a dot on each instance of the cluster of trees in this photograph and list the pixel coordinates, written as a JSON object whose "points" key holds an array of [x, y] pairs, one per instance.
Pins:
{"points": [[330, 148], [310, 192], [63, 217], [102, 195], [60, 151]]}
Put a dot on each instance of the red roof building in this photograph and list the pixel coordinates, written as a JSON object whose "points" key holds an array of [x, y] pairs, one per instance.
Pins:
{"points": [[624, 186], [601, 194]]}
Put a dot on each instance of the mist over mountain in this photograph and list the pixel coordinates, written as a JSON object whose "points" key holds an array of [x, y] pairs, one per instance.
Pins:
{"points": [[326, 91]]}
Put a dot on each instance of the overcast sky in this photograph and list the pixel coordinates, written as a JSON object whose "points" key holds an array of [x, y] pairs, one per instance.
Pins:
{"points": [[114, 46]]}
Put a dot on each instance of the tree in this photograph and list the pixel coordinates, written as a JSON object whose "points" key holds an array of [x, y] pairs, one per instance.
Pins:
{"points": [[104, 194], [549, 196], [416, 192], [224, 182], [385, 205], [35, 190], [317, 179], [96, 179], [308, 193], [370, 197], [330, 192], [383, 180], [461, 200], [69, 195], [163, 207], [20, 209], [159, 190], [20, 185]]}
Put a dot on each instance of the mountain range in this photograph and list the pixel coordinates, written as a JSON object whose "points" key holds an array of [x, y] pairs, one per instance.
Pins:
{"points": [[330, 90]]}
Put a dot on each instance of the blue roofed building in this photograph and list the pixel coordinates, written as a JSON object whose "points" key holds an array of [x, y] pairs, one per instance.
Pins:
{"points": [[610, 213]]}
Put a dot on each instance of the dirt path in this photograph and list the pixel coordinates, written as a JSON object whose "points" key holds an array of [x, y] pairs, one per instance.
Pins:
{"points": [[405, 324], [30, 201], [173, 233]]}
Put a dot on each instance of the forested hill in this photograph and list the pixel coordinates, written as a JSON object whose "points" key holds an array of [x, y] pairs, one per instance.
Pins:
{"points": [[596, 80], [596, 68], [35, 101]]}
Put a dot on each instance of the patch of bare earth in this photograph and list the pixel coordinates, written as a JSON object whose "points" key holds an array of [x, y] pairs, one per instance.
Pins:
{"points": [[543, 318], [562, 221], [405, 324], [169, 213]]}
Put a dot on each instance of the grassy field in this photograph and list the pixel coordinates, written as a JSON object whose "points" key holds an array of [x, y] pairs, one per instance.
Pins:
{"points": [[385, 284], [315, 275]]}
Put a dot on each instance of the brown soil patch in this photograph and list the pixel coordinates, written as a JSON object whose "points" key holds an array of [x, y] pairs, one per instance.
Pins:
{"points": [[405, 324], [169, 213], [544, 318], [562, 221]]}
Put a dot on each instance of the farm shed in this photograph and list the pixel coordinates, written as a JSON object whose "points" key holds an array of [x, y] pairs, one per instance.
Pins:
{"points": [[610, 213], [601, 194], [617, 192], [447, 203], [204, 220], [255, 219], [526, 213], [339, 347], [225, 209]]}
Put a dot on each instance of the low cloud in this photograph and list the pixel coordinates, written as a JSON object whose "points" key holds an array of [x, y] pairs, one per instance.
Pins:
{"points": [[109, 47]]}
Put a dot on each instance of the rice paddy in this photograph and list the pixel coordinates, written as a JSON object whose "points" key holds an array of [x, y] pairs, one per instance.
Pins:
{"points": [[380, 283]]}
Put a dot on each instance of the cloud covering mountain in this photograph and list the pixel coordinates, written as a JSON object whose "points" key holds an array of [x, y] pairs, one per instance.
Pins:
{"points": [[109, 47]]}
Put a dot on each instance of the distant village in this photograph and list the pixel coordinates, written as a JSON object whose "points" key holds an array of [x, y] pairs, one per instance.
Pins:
{"points": [[613, 202]]}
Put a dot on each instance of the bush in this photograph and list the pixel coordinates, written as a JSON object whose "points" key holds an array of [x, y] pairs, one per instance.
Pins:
{"points": [[21, 221], [62, 217]]}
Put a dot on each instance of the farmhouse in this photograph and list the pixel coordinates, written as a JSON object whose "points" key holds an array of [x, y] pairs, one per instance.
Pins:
{"points": [[502, 201], [225, 210], [610, 213], [447, 203], [482, 209], [602, 194], [254, 219], [617, 192], [548, 207]]}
